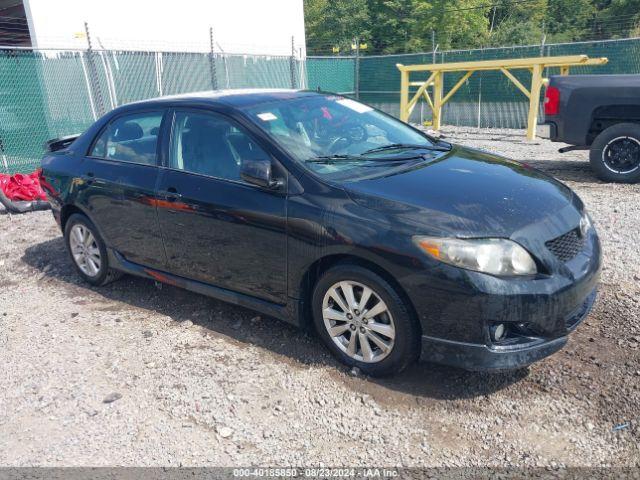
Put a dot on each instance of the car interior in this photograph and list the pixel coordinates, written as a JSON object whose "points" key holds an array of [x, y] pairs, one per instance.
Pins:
{"points": [[211, 146], [202, 144], [127, 141]]}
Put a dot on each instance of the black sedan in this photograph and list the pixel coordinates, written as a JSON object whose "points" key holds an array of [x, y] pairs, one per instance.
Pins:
{"points": [[320, 210]]}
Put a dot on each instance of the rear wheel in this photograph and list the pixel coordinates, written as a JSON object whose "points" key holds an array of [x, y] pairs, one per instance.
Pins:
{"points": [[364, 321], [615, 153], [88, 251]]}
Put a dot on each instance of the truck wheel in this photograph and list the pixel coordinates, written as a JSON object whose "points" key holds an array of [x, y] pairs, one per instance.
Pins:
{"points": [[615, 153]]}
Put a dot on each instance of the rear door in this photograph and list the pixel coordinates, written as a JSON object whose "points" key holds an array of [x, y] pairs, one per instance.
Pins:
{"points": [[217, 228], [119, 181]]}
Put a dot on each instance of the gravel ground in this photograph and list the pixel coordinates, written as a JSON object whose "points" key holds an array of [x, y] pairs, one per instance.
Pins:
{"points": [[130, 374]]}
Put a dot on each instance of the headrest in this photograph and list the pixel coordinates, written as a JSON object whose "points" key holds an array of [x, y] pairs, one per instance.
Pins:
{"points": [[206, 127], [128, 131]]}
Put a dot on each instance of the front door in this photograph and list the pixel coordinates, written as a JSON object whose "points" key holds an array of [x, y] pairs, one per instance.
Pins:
{"points": [[217, 228]]}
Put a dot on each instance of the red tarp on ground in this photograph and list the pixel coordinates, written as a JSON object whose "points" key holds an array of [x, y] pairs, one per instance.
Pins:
{"points": [[22, 187]]}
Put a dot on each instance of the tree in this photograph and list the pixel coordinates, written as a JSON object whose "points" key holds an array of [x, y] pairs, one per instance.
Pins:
{"points": [[617, 19], [392, 26], [568, 20], [518, 23], [457, 24], [335, 23], [396, 26]]}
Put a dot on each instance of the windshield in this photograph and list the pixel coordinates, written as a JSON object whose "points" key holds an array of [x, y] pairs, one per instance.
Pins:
{"points": [[337, 137]]}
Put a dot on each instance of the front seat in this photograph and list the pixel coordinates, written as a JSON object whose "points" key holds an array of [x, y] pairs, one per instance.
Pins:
{"points": [[206, 150]]}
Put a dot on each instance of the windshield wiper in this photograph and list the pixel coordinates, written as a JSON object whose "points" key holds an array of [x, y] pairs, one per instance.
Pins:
{"points": [[335, 158], [359, 158], [411, 146]]}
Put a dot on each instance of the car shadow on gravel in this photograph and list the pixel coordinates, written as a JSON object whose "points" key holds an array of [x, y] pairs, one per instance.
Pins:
{"points": [[566, 170], [296, 348]]}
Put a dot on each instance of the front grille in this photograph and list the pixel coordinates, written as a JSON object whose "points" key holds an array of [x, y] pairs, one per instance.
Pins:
{"points": [[566, 246]]}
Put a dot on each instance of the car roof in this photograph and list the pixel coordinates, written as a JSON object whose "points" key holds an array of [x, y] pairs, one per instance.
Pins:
{"points": [[234, 98]]}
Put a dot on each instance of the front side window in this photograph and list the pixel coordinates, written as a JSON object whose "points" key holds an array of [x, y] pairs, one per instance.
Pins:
{"points": [[335, 136], [130, 138], [209, 144]]}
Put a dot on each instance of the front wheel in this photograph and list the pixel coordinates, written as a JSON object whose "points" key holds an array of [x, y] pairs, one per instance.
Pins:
{"points": [[364, 321], [615, 153]]}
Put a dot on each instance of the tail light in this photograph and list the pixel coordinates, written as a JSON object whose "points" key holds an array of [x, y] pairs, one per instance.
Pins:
{"points": [[552, 101]]}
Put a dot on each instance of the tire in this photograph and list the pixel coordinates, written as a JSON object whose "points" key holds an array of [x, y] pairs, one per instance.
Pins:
{"points": [[615, 153], [401, 330], [93, 247]]}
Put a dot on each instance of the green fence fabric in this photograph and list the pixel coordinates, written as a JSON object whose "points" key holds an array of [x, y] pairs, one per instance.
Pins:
{"points": [[47, 94], [41, 97], [487, 99], [332, 74]]}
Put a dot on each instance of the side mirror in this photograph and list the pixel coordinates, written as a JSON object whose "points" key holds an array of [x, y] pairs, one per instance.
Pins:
{"points": [[258, 172]]}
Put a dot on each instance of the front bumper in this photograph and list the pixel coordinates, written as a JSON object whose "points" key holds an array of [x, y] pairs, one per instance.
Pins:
{"points": [[457, 308], [482, 357]]}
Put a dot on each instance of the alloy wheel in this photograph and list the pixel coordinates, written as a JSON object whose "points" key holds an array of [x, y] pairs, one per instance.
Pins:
{"points": [[84, 250], [358, 321], [622, 155]]}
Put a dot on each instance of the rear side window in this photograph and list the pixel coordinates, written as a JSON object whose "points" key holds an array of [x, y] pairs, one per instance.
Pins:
{"points": [[130, 138]]}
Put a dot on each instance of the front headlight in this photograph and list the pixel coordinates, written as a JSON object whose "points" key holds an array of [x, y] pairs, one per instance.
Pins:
{"points": [[496, 256], [585, 224]]}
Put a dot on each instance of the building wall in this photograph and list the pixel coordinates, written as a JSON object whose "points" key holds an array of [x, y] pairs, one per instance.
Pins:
{"points": [[240, 26]]}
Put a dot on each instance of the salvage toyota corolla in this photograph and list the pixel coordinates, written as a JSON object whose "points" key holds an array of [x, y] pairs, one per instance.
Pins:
{"points": [[320, 210]]}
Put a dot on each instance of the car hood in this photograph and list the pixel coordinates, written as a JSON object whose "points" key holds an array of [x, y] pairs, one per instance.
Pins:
{"points": [[468, 193]]}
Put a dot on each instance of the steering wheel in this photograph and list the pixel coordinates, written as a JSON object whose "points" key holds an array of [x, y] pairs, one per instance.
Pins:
{"points": [[352, 134]]}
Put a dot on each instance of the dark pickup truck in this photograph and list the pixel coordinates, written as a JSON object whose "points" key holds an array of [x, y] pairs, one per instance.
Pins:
{"points": [[600, 113]]}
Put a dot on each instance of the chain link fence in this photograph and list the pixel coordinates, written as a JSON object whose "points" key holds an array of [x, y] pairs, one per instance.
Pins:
{"points": [[487, 99], [50, 93], [46, 94]]}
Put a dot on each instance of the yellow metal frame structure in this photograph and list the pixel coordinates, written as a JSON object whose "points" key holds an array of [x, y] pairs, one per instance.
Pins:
{"points": [[535, 65]]}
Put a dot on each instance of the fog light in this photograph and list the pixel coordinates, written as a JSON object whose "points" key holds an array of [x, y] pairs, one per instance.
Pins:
{"points": [[498, 331]]}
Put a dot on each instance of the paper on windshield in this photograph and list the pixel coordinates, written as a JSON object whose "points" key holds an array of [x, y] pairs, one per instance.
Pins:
{"points": [[267, 116], [353, 105]]}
